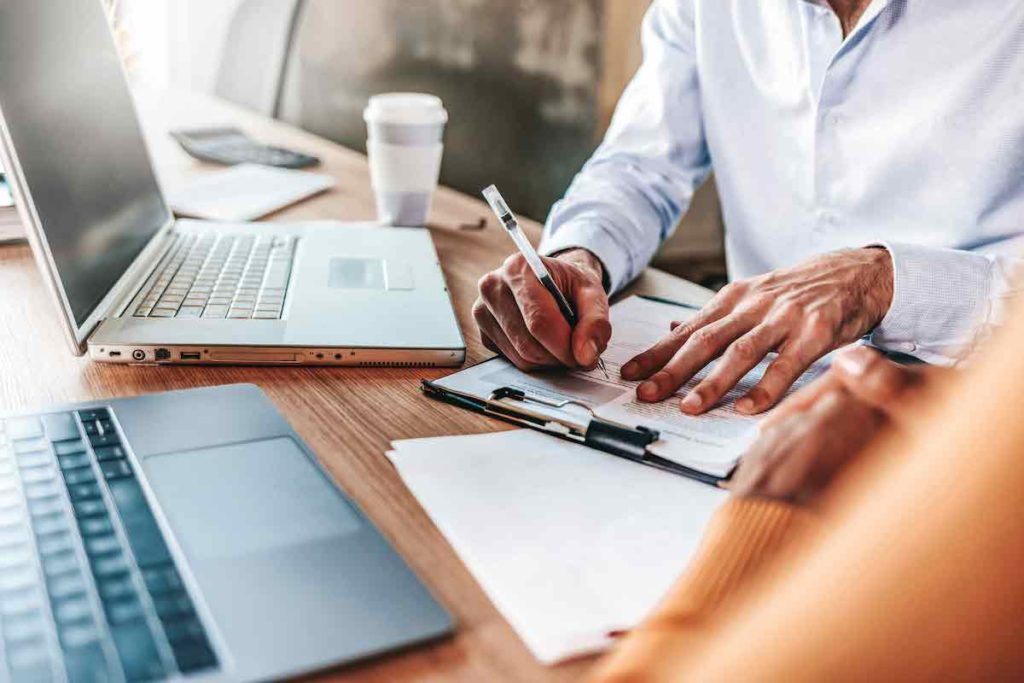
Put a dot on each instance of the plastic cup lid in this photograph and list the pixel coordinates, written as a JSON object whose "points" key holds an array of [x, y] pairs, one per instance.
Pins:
{"points": [[418, 109]]}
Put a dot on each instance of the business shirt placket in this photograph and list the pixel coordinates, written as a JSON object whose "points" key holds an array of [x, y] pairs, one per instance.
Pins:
{"points": [[828, 49]]}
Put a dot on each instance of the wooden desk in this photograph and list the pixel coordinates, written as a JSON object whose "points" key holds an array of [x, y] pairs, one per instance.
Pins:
{"points": [[348, 416]]}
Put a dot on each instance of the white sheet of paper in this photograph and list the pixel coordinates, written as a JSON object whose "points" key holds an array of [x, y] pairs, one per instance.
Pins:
{"points": [[569, 543], [712, 442], [246, 192]]}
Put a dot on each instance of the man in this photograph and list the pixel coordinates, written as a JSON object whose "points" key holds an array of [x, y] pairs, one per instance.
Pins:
{"points": [[864, 151]]}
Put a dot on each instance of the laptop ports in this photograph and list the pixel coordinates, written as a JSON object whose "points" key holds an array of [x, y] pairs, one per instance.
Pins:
{"points": [[162, 354], [191, 355]]}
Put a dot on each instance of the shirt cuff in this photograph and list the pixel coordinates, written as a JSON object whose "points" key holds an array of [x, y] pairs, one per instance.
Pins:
{"points": [[598, 240], [940, 301]]}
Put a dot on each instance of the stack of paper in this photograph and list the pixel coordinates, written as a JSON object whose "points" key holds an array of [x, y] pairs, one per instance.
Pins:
{"points": [[246, 192], [570, 544]]}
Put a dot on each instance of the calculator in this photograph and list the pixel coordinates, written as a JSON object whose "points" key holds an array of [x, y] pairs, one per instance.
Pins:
{"points": [[230, 146]]}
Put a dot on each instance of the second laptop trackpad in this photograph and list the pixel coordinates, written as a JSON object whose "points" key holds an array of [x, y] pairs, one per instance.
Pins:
{"points": [[240, 499]]}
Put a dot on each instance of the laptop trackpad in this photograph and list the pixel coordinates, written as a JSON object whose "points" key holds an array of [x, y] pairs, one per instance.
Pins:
{"points": [[236, 500]]}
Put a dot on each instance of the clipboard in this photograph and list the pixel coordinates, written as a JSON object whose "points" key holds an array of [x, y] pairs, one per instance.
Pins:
{"points": [[572, 421]]}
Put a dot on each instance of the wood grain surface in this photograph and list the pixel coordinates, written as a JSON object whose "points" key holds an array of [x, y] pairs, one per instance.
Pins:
{"points": [[347, 415]]}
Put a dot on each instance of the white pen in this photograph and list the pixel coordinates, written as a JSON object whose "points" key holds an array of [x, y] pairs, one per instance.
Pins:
{"points": [[508, 219]]}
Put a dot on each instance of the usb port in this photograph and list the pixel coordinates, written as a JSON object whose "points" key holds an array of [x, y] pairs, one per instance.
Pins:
{"points": [[191, 355], [114, 354]]}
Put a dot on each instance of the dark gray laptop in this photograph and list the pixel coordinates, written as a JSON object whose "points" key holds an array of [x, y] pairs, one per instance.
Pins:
{"points": [[188, 535]]}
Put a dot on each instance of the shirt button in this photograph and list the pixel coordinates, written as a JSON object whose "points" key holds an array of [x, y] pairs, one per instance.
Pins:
{"points": [[827, 219]]}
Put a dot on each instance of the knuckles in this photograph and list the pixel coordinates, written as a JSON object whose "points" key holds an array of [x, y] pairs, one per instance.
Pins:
{"points": [[516, 263], [745, 349], [490, 285]]}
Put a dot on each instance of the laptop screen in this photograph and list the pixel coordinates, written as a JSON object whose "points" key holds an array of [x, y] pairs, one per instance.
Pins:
{"points": [[74, 130]]}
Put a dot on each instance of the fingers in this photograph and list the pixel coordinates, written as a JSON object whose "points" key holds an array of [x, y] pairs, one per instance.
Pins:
{"points": [[593, 328], [653, 359], [511, 324], [877, 381], [539, 321], [870, 376], [780, 376], [699, 349], [801, 454], [742, 356], [519, 318], [801, 400], [495, 339]]}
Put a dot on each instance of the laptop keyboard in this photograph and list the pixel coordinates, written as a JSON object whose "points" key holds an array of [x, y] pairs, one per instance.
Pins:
{"points": [[219, 276], [88, 589]]}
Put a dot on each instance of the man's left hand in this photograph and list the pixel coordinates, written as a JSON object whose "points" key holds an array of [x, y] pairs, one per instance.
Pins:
{"points": [[802, 312]]}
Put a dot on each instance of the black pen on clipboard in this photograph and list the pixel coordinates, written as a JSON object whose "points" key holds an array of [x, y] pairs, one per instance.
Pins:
{"points": [[508, 220]]}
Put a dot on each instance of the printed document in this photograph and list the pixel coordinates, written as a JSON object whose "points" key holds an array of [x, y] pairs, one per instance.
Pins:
{"points": [[711, 443]]}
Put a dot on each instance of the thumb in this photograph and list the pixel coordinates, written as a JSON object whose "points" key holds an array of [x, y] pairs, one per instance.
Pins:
{"points": [[874, 379], [593, 328]]}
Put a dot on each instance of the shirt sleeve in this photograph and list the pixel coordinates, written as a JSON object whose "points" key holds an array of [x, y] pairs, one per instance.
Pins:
{"points": [[631, 194], [947, 302]]}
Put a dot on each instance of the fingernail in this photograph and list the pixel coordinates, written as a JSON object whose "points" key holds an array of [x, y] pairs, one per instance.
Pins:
{"points": [[692, 402], [588, 354], [854, 361], [648, 391], [630, 369], [745, 405]]}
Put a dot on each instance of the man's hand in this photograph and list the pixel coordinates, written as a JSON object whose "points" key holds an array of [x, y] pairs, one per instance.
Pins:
{"points": [[519, 319], [807, 440], [802, 313]]}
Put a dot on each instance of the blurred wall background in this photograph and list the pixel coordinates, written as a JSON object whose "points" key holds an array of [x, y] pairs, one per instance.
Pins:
{"points": [[530, 84]]}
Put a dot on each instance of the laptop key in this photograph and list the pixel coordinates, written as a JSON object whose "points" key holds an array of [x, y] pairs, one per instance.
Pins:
{"points": [[81, 475], [84, 491], [137, 651], [190, 312], [124, 610], [162, 580], [194, 655], [95, 526], [32, 444], [105, 453], [70, 446], [73, 461], [86, 663], [115, 469], [88, 414], [104, 439], [24, 428], [60, 426], [215, 311], [89, 508]]}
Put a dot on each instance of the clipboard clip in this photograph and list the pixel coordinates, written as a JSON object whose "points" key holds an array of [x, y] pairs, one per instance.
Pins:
{"points": [[601, 435], [610, 437]]}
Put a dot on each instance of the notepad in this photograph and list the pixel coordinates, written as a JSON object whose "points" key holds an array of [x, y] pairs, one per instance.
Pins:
{"points": [[570, 544], [246, 192]]}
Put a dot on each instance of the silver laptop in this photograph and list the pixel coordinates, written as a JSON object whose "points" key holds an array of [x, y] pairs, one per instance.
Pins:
{"points": [[189, 534], [134, 285]]}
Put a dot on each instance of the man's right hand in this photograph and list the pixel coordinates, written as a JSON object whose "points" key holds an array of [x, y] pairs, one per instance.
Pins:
{"points": [[519, 319]]}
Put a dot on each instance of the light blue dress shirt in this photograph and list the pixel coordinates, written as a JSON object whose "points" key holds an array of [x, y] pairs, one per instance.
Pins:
{"points": [[908, 133]]}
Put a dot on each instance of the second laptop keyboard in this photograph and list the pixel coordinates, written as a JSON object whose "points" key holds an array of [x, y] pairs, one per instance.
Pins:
{"points": [[219, 276]]}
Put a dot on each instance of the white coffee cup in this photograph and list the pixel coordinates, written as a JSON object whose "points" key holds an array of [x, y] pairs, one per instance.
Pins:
{"points": [[405, 147]]}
